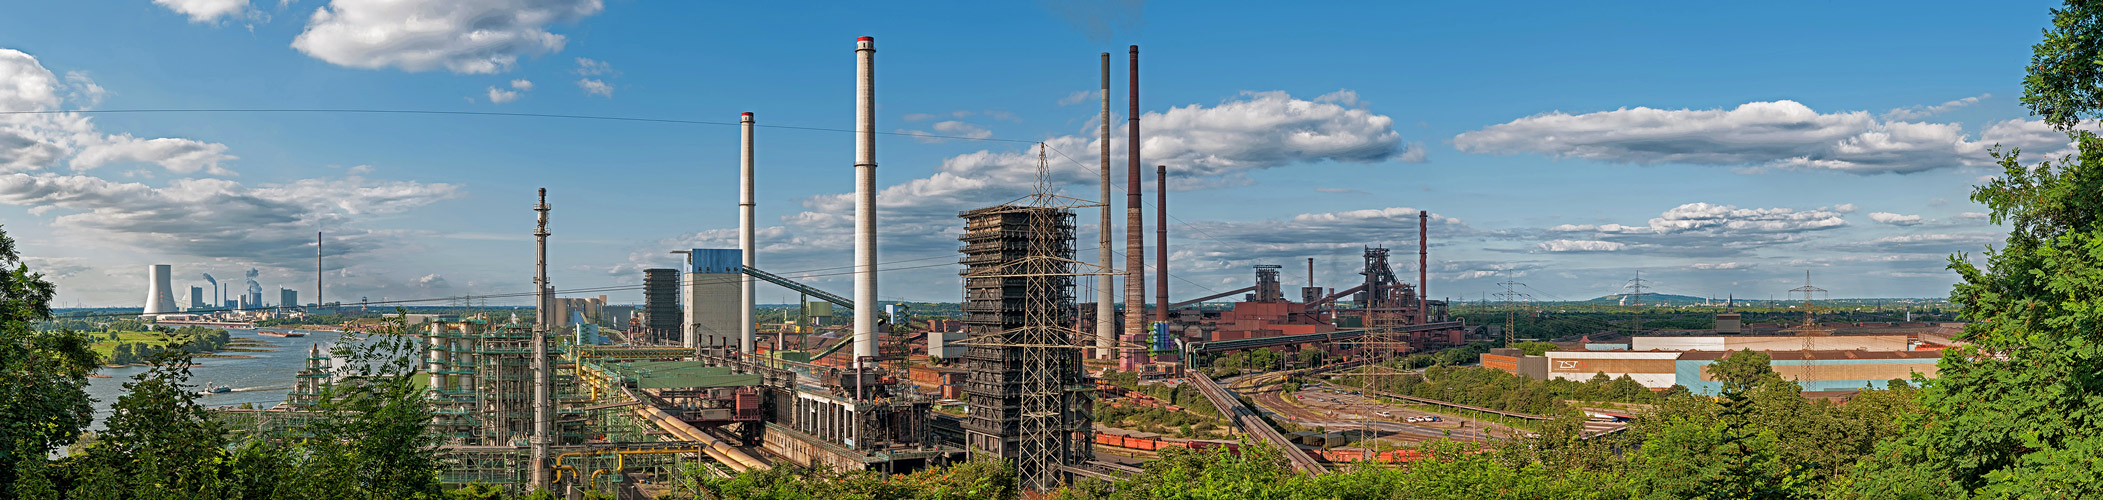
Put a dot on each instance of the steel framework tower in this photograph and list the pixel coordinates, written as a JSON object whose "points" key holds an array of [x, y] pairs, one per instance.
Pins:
{"points": [[1030, 396]]}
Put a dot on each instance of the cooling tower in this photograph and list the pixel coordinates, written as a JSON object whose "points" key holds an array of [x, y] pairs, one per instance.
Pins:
{"points": [[160, 292]]}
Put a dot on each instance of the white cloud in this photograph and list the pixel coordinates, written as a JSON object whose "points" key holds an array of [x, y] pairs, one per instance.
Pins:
{"points": [[208, 11], [518, 89], [43, 141], [1200, 144], [1704, 216], [1929, 243], [595, 87], [591, 67], [462, 36], [1761, 135], [215, 218], [1411, 153], [1081, 96], [1895, 219], [500, 96], [177, 155], [432, 280], [24, 83], [1692, 230], [1721, 266], [1974, 216], [83, 91], [1919, 112], [1580, 246], [184, 220], [945, 130]]}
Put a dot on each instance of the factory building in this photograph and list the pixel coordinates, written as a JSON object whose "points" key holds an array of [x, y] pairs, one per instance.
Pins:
{"points": [[1815, 362], [713, 297], [660, 314], [1817, 370], [197, 298], [593, 310], [287, 297], [1773, 343]]}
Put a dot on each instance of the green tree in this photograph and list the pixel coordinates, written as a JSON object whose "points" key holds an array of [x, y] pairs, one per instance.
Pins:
{"points": [[158, 442], [1744, 371], [2016, 413], [1697, 448], [371, 441], [45, 404]]}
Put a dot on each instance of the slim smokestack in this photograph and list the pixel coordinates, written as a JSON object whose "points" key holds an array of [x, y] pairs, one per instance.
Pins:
{"points": [[1135, 235], [865, 305], [1161, 242], [1310, 272], [1106, 287], [746, 244], [317, 271], [545, 318], [1423, 250]]}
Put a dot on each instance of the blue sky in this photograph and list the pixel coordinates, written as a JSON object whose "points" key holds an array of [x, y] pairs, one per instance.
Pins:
{"points": [[1719, 149]]}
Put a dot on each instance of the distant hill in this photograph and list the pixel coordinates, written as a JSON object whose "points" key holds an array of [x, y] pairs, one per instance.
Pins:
{"points": [[1652, 299]]}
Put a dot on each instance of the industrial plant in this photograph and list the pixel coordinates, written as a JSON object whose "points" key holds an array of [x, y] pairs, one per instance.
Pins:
{"points": [[696, 377]]}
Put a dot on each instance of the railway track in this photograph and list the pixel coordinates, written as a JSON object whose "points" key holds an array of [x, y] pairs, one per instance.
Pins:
{"points": [[1249, 422]]}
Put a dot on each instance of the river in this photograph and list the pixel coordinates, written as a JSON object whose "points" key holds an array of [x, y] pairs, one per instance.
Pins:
{"points": [[264, 380]]}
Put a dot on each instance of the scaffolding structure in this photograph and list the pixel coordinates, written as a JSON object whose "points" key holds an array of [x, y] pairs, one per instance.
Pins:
{"points": [[311, 381], [1031, 399], [481, 394]]}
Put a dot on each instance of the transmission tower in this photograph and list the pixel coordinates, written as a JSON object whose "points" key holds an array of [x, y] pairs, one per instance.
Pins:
{"points": [[1509, 296], [1808, 327], [1035, 405], [1637, 285]]}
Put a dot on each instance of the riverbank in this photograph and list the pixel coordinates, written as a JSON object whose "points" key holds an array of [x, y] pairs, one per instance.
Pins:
{"points": [[137, 343]]}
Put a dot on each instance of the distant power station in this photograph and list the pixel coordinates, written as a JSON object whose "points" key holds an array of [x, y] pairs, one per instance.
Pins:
{"points": [[160, 293], [161, 299]]}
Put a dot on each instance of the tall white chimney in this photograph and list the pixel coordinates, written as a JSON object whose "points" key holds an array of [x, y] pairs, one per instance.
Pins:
{"points": [[865, 306], [746, 243], [1105, 285]]}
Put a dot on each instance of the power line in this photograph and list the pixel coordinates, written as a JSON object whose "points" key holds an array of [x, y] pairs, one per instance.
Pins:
{"points": [[490, 113], [611, 288], [578, 117]]}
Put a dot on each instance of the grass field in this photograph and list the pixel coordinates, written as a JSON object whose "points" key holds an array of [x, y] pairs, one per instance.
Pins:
{"points": [[104, 346]]}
